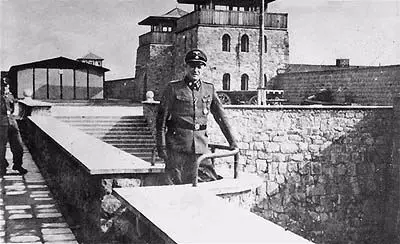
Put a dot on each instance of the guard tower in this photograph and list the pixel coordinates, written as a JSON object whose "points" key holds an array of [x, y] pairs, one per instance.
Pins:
{"points": [[91, 58], [243, 51], [229, 33], [155, 54]]}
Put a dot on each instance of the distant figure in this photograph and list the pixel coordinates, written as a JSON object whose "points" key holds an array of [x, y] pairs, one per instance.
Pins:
{"points": [[14, 136], [323, 95], [3, 130], [182, 123]]}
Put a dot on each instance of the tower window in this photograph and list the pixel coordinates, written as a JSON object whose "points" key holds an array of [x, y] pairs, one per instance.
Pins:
{"points": [[226, 43], [244, 43], [265, 44], [226, 82], [244, 84]]}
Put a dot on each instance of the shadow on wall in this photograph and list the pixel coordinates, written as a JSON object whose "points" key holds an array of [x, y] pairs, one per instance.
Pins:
{"points": [[81, 93], [344, 186], [326, 171]]}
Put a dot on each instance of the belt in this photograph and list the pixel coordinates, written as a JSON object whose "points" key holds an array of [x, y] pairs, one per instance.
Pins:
{"points": [[185, 125]]}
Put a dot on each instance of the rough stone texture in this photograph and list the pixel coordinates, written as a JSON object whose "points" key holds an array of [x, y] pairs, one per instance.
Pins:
{"points": [[366, 86], [154, 65], [325, 169], [87, 199], [162, 62]]}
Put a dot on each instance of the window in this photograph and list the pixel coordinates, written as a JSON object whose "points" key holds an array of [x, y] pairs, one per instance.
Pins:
{"points": [[244, 43], [226, 82], [265, 80], [244, 85], [265, 44], [226, 43]]}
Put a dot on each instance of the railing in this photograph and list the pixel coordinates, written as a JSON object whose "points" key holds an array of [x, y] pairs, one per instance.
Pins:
{"points": [[232, 152], [156, 37], [235, 18], [268, 97]]}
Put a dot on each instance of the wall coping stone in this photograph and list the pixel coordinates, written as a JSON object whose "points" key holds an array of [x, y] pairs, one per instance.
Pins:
{"points": [[305, 107], [185, 214], [34, 103], [96, 156]]}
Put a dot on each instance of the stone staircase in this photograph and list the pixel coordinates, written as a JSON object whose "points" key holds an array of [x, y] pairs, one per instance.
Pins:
{"points": [[131, 134]]}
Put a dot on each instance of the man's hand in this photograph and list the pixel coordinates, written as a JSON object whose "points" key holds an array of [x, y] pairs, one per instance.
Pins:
{"points": [[162, 153], [234, 145]]}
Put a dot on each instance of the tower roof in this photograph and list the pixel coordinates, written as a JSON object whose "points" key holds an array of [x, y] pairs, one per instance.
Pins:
{"points": [[91, 56], [239, 3], [169, 17]]}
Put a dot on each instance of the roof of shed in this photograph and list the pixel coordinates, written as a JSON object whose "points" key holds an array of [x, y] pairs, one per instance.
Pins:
{"points": [[58, 63]]}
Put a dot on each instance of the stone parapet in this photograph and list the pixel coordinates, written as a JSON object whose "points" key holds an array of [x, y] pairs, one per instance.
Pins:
{"points": [[81, 171], [325, 169]]}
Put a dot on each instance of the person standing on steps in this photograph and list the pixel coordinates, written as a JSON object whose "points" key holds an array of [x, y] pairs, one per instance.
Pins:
{"points": [[3, 129], [181, 123], [13, 133]]}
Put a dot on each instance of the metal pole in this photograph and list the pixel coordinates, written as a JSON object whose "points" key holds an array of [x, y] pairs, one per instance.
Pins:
{"points": [[261, 42]]}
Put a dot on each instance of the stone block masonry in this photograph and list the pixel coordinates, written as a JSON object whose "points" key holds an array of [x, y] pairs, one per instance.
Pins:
{"points": [[325, 168], [364, 86]]}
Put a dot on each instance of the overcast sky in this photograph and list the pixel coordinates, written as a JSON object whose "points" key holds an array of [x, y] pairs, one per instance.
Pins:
{"points": [[365, 31]]}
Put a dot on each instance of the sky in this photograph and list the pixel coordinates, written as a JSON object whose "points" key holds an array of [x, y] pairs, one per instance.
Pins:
{"points": [[320, 31]]}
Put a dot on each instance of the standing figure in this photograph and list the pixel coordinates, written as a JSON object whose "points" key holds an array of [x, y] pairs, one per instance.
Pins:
{"points": [[14, 135], [3, 129], [182, 123]]}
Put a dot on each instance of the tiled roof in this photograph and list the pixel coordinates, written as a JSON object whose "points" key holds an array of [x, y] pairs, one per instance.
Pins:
{"points": [[92, 56], [176, 12]]}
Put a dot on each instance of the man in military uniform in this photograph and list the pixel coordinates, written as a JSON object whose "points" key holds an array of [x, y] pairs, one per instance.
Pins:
{"points": [[3, 129], [13, 133], [182, 122]]}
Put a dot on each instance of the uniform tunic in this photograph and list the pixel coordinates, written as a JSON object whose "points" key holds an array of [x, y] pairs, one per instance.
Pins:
{"points": [[3, 133], [181, 127]]}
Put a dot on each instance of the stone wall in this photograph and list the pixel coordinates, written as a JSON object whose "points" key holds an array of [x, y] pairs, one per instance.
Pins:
{"points": [[120, 89], [325, 168], [235, 62], [154, 69], [365, 86], [86, 199]]}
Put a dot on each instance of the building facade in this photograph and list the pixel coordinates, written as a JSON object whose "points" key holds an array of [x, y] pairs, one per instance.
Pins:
{"points": [[227, 31], [58, 79]]}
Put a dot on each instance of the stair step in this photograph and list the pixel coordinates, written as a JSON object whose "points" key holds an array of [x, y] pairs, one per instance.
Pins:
{"points": [[127, 138], [100, 117], [130, 141], [106, 124], [119, 133]]}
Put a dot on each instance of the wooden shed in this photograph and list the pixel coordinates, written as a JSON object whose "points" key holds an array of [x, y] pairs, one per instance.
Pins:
{"points": [[58, 79]]}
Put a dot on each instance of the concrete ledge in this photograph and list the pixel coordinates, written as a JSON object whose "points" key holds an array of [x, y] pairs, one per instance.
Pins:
{"points": [[305, 107], [195, 215], [96, 156], [245, 182]]}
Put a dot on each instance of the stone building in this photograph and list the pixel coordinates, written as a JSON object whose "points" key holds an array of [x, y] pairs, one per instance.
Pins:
{"points": [[227, 31]]}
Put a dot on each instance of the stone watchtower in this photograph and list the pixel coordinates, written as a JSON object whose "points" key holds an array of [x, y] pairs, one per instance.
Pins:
{"points": [[155, 54], [227, 31]]}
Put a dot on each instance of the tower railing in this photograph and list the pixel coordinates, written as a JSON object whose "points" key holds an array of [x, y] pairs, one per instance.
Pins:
{"points": [[156, 38], [233, 18]]}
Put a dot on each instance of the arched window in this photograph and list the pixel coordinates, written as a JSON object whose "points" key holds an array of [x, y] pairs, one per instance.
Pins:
{"points": [[226, 43], [265, 44], [244, 43], [244, 84], [265, 80], [226, 82]]}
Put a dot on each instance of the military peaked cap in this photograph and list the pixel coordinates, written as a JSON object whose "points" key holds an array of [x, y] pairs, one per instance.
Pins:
{"points": [[196, 56]]}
